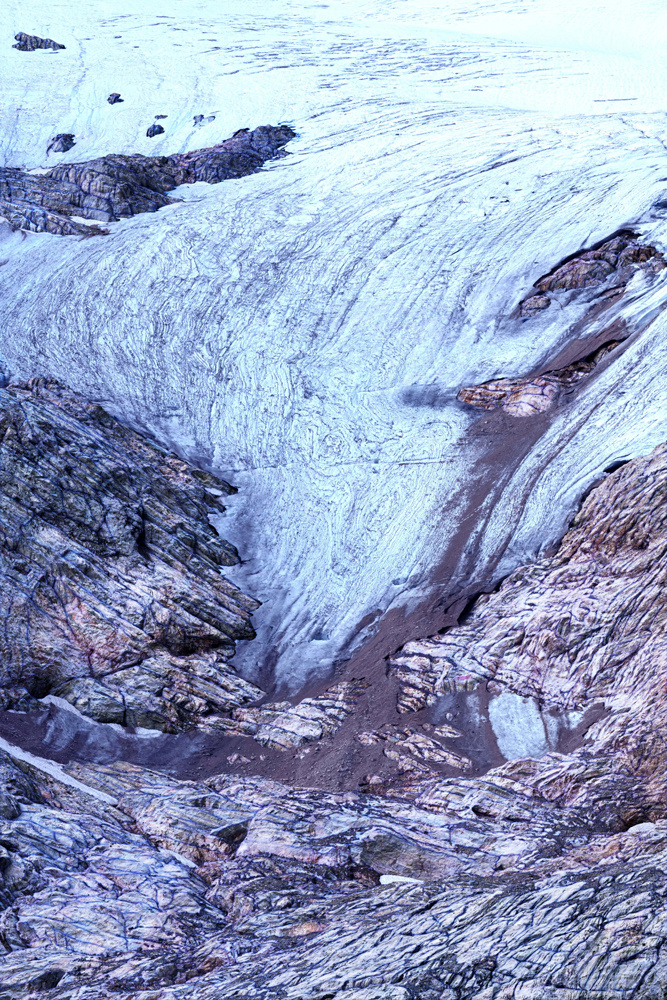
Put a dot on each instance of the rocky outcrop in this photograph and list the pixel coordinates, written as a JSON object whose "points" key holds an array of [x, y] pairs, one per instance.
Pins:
{"points": [[523, 397], [115, 98], [544, 876], [283, 726], [28, 43], [586, 626], [613, 262], [619, 256], [113, 596], [154, 130], [116, 187]]}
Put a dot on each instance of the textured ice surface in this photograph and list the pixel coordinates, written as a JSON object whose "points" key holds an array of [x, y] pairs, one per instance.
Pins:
{"points": [[304, 331]]}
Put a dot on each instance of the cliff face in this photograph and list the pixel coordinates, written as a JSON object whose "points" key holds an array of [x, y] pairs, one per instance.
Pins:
{"points": [[546, 875]]}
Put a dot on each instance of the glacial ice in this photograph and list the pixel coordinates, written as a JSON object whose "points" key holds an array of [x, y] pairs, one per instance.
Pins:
{"points": [[304, 331]]}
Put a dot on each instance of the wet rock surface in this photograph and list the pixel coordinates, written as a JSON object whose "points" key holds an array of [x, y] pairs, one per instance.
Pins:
{"points": [[28, 43], [117, 186]]}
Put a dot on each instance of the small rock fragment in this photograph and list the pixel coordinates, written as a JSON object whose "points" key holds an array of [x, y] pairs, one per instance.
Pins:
{"points": [[200, 120], [534, 305], [115, 99], [154, 130]]}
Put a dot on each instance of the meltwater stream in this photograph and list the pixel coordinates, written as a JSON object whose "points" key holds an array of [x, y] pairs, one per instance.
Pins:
{"points": [[304, 331]]}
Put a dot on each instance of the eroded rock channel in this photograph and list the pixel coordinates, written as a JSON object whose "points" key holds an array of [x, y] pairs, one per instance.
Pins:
{"points": [[510, 818]]}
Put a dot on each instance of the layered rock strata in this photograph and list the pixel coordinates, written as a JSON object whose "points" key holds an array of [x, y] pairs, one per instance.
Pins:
{"points": [[115, 187], [113, 596], [545, 877], [523, 397]]}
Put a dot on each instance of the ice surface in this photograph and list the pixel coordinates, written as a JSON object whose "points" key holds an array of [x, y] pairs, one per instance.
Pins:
{"points": [[304, 331]]}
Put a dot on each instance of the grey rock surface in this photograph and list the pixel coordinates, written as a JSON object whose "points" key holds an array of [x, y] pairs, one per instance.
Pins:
{"points": [[115, 187], [545, 876], [113, 596]]}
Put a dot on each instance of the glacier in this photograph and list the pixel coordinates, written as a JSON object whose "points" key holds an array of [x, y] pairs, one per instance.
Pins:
{"points": [[303, 331]]}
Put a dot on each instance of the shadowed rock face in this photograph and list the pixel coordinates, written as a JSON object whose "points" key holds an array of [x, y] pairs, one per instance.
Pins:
{"points": [[116, 187], [61, 143], [28, 43]]}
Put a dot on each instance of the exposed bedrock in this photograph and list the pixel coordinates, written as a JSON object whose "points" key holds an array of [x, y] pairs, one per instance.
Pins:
{"points": [[545, 877], [611, 264], [618, 256], [116, 186], [112, 593], [588, 625]]}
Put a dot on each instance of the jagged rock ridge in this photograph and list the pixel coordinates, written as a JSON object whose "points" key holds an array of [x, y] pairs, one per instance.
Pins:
{"points": [[115, 187], [612, 263]]}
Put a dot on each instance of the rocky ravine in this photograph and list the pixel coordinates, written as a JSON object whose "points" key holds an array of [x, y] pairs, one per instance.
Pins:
{"points": [[545, 877]]}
